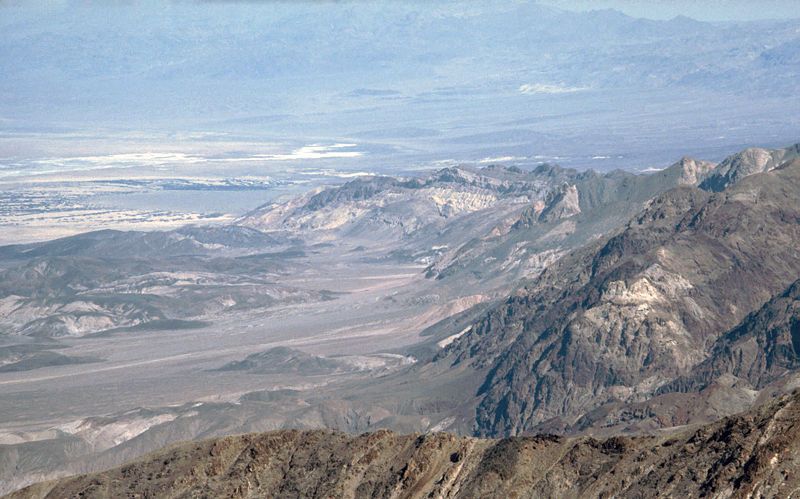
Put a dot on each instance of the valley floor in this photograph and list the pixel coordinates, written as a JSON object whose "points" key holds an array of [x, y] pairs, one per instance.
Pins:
{"points": [[169, 367]]}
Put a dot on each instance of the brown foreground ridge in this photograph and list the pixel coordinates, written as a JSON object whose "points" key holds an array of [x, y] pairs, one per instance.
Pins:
{"points": [[753, 454]]}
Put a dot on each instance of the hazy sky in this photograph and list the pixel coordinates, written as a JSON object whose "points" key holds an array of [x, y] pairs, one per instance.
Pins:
{"points": [[704, 10]]}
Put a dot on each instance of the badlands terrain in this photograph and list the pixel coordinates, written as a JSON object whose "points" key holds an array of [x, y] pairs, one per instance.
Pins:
{"points": [[484, 301]]}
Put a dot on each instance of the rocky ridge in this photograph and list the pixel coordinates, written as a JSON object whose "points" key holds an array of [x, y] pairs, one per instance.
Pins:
{"points": [[748, 162], [752, 454], [620, 318]]}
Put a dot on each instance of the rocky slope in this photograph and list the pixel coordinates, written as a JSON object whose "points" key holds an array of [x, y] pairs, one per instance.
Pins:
{"points": [[750, 363], [617, 320], [748, 162], [759, 351], [378, 208], [578, 208], [755, 454]]}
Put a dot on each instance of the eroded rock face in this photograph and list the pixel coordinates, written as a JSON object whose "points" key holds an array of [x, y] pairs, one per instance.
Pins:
{"points": [[754, 360], [401, 206], [693, 171], [748, 162], [757, 452], [563, 203], [616, 321], [760, 350]]}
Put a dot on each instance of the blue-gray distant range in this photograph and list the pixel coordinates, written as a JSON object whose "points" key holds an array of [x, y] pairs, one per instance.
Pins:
{"points": [[271, 90]]}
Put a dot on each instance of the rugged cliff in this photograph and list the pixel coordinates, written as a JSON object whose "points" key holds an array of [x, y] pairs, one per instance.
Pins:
{"points": [[620, 318]]}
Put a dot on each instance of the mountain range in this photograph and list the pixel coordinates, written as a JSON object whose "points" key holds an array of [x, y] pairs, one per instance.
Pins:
{"points": [[436, 83], [546, 301]]}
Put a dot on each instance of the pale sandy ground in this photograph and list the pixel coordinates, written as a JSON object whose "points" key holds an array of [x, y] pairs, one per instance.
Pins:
{"points": [[155, 368], [28, 229]]}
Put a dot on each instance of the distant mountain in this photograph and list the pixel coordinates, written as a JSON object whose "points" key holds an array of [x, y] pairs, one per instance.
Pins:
{"points": [[380, 209], [752, 453], [578, 207], [602, 49]]}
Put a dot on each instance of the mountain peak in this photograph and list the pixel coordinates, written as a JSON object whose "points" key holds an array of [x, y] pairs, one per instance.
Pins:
{"points": [[748, 162], [563, 203], [691, 171]]}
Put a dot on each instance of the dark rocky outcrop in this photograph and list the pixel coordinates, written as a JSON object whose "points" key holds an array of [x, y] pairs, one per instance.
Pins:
{"points": [[287, 360], [618, 319], [760, 350]]}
